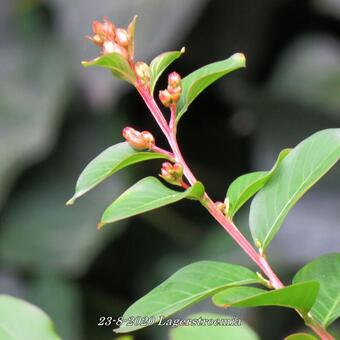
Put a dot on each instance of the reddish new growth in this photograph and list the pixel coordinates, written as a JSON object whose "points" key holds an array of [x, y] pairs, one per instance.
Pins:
{"points": [[112, 39], [173, 174], [139, 140], [171, 95]]}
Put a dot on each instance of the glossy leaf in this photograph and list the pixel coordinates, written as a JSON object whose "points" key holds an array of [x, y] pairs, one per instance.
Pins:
{"points": [[300, 336], [147, 194], [186, 287], [216, 332], [197, 81], [325, 270], [160, 63], [20, 320], [301, 296], [246, 186], [116, 63], [297, 173], [111, 160]]}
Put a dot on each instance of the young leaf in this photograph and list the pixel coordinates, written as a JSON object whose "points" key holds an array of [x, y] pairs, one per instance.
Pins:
{"points": [[216, 331], [147, 194], [116, 63], [160, 63], [297, 173], [300, 296], [325, 270], [19, 320], [131, 32], [245, 186], [197, 81], [187, 286], [300, 336], [111, 160]]}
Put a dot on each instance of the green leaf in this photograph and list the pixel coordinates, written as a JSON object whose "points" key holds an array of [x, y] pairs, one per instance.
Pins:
{"points": [[300, 296], [197, 81], [160, 63], [147, 194], [187, 286], [214, 331], [111, 160], [20, 320], [297, 173], [245, 186], [325, 270], [116, 63], [300, 336]]}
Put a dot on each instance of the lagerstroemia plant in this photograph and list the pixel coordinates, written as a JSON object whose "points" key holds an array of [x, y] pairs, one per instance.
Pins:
{"points": [[315, 290]]}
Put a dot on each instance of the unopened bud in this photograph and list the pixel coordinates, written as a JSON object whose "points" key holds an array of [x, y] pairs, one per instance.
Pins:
{"points": [[143, 72], [148, 138], [174, 80], [165, 98], [111, 47], [172, 173], [175, 94], [138, 140], [105, 30], [122, 37]]}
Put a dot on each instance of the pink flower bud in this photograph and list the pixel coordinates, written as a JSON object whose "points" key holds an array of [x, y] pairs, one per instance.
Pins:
{"points": [[138, 140], [172, 173], [105, 30], [178, 169], [143, 72], [148, 138], [174, 80], [165, 97], [122, 37], [175, 94], [111, 47]]}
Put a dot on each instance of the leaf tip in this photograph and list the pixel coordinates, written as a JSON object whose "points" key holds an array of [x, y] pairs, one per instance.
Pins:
{"points": [[241, 58], [100, 225], [182, 49], [85, 63], [71, 201]]}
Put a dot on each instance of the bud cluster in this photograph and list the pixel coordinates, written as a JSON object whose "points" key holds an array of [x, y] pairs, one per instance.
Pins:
{"points": [[173, 92], [143, 73], [110, 38], [172, 173], [138, 140]]}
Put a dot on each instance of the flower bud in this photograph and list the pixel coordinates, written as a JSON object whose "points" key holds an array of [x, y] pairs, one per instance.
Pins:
{"points": [[111, 47], [143, 72], [148, 138], [105, 30], [172, 173], [174, 80], [165, 98], [138, 140], [175, 94], [122, 37]]}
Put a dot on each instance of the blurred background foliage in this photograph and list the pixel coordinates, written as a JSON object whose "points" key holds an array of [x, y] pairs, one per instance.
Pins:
{"points": [[55, 117]]}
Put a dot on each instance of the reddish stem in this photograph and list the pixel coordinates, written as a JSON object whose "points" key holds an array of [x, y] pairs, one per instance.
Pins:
{"points": [[228, 225], [162, 151]]}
